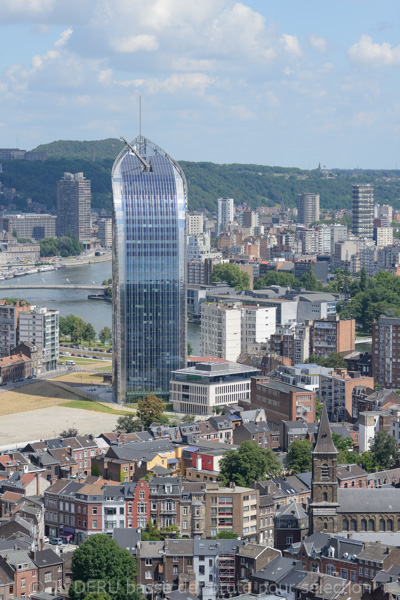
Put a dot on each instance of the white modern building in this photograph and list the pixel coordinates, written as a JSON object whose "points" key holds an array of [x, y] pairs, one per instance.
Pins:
{"points": [[383, 236], [208, 385], [220, 330], [368, 426], [226, 211], [41, 327], [198, 246], [324, 239], [258, 324]]}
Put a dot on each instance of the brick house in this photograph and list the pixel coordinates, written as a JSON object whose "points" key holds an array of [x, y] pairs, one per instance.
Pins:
{"points": [[282, 401], [50, 570], [137, 501], [19, 565]]}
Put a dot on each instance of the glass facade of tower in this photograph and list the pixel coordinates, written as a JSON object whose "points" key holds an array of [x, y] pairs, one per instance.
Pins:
{"points": [[149, 271]]}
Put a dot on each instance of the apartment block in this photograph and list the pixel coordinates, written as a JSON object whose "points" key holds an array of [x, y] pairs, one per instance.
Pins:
{"points": [[307, 208], [363, 210], [258, 323], [386, 352], [221, 330], [40, 326], [383, 236], [232, 508], [336, 392], [282, 402], [225, 213], [291, 341], [333, 335], [105, 232], [194, 224], [9, 324], [73, 207]]}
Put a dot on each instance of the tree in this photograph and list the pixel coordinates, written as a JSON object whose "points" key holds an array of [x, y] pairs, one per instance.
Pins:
{"points": [[247, 464], [128, 424], [97, 596], [188, 419], [336, 361], [383, 450], [78, 330], [226, 534], [276, 278], [150, 408], [345, 447], [189, 349], [366, 461], [299, 457], [68, 433], [232, 275], [105, 335], [67, 324], [100, 565], [95, 471], [318, 408], [89, 333], [310, 282]]}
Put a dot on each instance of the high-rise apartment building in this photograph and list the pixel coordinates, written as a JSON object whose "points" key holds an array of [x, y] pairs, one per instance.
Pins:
{"points": [[220, 330], [333, 335], [386, 352], [363, 210], [105, 232], [73, 207], [40, 326], [9, 323], [195, 224], [383, 236], [307, 208], [225, 213], [149, 270]]}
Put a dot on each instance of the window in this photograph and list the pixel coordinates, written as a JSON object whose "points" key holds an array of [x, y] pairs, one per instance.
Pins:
{"points": [[148, 575], [289, 539], [363, 524], [353, 525], [23, 583], [94, 510], [94, 524], [371, 525], [343, 573], [201, 569], [381, 524], [149, 562], [175, 559], [325, 472], [47, 576], [325, 497], [185, 524], [175, 570]]}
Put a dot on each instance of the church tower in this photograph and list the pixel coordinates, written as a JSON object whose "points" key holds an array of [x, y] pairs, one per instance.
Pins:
{"points": [[323, 507]]}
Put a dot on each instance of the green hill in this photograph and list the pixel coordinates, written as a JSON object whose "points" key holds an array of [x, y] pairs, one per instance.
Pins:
{"points": [[256, 185]]}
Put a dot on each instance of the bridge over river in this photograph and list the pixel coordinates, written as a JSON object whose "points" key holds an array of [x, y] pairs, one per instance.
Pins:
{"points": [[55, 286]]}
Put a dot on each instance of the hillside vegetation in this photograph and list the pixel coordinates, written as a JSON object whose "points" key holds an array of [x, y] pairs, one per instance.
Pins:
{"points": [[255, 185]]}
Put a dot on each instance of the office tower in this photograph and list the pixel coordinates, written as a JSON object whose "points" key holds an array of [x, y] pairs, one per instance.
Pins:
{"points": [[73, 207], [307, 208], [363, 210], [105, 232], [149, 270], [40, 326], [225, 213], [32, 226]]}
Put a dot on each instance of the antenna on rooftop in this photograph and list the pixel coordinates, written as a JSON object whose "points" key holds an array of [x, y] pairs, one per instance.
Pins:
{"points": [[140, 116]]}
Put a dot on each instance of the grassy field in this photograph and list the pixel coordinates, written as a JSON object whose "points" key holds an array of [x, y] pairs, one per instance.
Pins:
{"points": [[76, 377], [41, 394], [95, 406]]}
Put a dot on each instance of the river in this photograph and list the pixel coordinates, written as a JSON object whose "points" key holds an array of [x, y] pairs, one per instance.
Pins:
{"points": [[76, 302]]}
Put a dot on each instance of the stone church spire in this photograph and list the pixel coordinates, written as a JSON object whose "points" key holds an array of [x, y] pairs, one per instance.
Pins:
{"points": [[324, 443]]}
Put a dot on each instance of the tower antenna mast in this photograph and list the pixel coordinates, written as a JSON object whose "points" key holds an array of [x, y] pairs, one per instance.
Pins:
{"points": [[140, 116]]}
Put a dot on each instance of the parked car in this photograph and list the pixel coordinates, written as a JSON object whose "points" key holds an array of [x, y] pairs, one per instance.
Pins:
{"points": [[56, 541]]}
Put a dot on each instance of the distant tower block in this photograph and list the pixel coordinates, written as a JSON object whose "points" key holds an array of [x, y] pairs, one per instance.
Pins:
{"points": [[93, 155]]}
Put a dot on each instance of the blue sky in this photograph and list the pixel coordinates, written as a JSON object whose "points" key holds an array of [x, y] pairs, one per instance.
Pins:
{"points": [[279, 82]]}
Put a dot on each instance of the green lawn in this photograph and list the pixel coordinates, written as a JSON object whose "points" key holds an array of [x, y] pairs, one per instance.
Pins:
{"points": [[95, 406]]}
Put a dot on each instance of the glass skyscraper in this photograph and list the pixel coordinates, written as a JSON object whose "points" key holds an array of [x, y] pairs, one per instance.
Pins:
{"points": [[149, 270]]}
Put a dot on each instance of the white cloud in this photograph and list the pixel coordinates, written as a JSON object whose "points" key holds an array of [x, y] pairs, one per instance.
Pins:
{"points": [[363, 119], [290, 44], [192, 82], [63, 39], [136, 43], [240, 111], [318, 43], [373, 54], [26, 8]]}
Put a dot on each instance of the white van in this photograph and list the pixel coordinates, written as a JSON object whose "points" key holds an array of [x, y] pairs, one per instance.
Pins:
{"points": [[69, 362]]}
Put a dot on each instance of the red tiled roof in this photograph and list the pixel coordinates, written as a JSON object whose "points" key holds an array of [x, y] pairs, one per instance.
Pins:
{"points": [[11, 496]]}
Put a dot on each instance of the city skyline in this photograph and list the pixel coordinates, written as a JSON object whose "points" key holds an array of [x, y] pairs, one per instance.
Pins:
{"points": [[249, 81]]}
